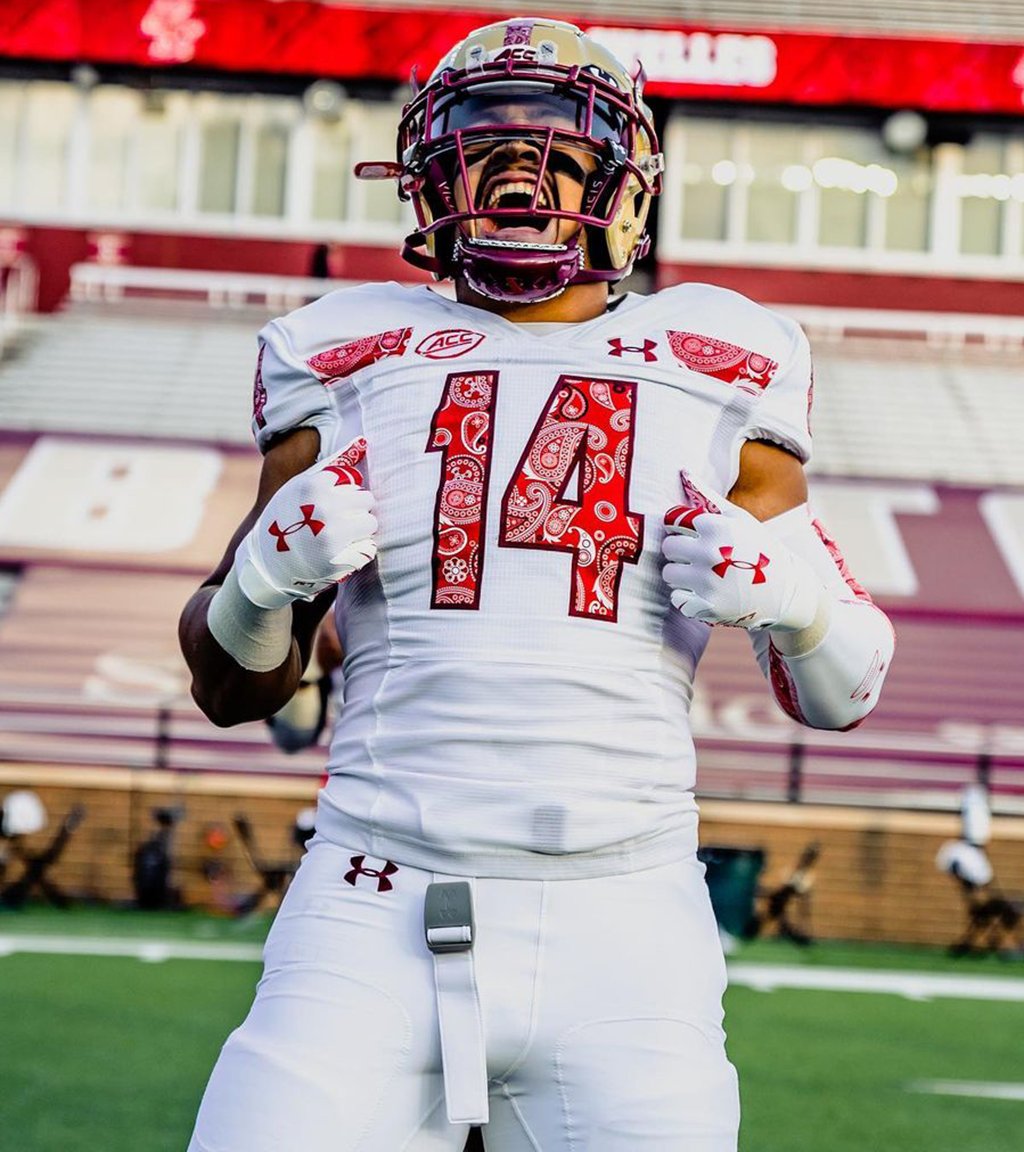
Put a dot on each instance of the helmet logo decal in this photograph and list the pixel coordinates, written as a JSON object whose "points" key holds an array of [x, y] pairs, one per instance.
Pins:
{"points": [[518, 32]]}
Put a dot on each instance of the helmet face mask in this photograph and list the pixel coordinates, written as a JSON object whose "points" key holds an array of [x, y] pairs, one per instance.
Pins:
{"points": [[531, 161]]}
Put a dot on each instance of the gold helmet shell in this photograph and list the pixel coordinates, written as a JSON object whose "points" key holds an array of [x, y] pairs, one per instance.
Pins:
{"points": [[605, 114]]}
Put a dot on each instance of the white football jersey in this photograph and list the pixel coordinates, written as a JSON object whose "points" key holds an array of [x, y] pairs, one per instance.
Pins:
{"points": [[516, 682]]}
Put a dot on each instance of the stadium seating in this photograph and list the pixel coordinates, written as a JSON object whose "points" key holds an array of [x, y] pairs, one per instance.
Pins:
{"points": [[93, 698], [148, 368], [169, 353], [19, 283]]}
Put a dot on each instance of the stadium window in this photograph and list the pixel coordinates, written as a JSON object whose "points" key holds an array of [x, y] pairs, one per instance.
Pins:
{"points": [[270, 164], [331, 150], [907, 210], [220, 139], [774, 155], [113, 117], [1013, 232], [11, 101], [852, 172], [707, 146], [49, 115], [983, 187], [378, 200], [158, 145]]}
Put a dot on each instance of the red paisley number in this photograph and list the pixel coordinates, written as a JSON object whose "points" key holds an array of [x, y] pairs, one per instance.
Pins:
{"points": [[461, 430], [584, 441]]}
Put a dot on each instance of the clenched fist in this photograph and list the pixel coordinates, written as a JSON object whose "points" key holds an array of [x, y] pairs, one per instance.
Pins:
{"points": [[316, 530], [725, 567]]}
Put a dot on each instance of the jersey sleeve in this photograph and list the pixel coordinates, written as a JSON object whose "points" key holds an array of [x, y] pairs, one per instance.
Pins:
{"points": [[286, 393], [782, 414]]}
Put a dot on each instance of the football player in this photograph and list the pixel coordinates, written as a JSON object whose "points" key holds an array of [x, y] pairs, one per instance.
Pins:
{"points": [[535, 499]]}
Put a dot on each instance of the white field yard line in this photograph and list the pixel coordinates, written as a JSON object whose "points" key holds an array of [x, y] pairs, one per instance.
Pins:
{"points": [[153, 951], [762, 977], [991, 1090], [912, 985]]}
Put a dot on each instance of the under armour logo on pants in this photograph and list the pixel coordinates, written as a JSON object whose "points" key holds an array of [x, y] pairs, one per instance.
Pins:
{"points": [[379, 874]]}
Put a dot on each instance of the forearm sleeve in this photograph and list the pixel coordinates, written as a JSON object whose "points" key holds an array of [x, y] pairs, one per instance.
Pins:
{"points": [[830, 674]]}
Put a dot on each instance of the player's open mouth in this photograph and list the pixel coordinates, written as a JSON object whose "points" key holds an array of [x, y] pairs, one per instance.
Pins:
{"points": [[512, 194]]}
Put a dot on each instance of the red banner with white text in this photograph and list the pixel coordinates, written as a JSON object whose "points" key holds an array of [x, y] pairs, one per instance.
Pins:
{"points": [[306, 38]]}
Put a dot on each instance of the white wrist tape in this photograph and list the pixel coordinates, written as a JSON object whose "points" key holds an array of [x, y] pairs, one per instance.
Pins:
{"points": [[829, 674], [803, 640], [257, 639]]}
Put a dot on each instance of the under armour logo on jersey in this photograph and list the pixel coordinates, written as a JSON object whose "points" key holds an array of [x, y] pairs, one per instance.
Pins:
{"points": [[379, 874], [307, 521], [646, 349], [728, 562]]}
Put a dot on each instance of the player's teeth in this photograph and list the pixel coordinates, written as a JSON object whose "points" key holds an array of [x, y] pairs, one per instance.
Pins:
{"points": [[517, 187]]}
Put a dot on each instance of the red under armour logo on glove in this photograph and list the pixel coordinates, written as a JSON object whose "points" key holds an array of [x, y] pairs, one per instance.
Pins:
{"points": [[307, 521], [728, 562], [316, 530], [709, 535]]}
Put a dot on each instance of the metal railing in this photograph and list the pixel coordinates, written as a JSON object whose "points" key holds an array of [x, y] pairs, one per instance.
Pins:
{"points": [[935, 329], [19, 288], [883, 770], [106, 282], [115, 282]]}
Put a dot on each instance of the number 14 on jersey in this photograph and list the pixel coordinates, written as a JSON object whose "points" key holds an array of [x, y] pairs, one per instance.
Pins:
{"points": [[584, 432]]}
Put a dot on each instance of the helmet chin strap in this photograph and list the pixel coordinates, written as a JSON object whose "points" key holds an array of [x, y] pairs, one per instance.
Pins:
{"points": [[514, 272], [511, 272]]}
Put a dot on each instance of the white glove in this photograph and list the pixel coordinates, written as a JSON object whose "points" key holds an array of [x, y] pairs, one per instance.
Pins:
{"points": [[316, 530], [725, 567]]}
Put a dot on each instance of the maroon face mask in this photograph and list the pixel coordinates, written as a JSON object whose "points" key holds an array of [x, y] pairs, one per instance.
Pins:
{"points": [[486, 154]]}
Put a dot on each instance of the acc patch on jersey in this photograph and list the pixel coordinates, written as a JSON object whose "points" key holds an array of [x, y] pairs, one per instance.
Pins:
{"points": [[336, 363], [449, 343], [727, 362]]}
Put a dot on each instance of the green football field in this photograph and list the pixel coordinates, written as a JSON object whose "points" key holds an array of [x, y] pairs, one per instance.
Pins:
{"points": [[110, 1052]]}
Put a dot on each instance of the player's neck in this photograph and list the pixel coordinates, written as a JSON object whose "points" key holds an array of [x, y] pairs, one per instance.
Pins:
{"points": [[575, 305]]}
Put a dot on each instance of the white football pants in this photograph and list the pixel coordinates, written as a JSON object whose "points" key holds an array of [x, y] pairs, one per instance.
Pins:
{"points": [[600, 1000]]}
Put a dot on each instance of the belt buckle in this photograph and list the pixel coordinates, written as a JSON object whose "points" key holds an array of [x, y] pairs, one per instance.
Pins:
{"points": [[448, 916]]}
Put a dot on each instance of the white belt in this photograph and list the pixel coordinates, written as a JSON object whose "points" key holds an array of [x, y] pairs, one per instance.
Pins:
{"points": [[448, 926]]}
